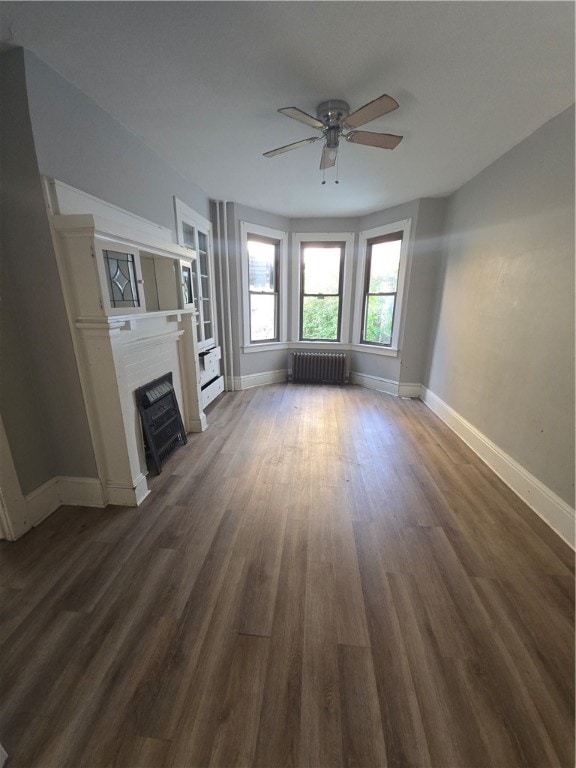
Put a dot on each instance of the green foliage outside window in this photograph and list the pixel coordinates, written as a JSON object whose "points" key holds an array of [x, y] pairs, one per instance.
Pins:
{"points": [[379, 316], [380, 296], [320, 317], [322, 265]]}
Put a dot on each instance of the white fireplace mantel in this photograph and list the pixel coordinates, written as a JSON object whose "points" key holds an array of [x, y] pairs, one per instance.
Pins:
{"points": [[120, 348]]}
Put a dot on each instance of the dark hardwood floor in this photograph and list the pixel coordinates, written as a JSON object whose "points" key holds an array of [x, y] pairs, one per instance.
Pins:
{"points": [[326, 577]]}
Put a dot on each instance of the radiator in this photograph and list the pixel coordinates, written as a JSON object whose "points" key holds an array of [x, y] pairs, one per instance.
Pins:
{"points": [[319, 367]]}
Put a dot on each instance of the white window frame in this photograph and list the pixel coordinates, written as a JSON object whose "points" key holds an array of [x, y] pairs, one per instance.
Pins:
{"points": [[403, 226], [326, 237], [246, 229]]}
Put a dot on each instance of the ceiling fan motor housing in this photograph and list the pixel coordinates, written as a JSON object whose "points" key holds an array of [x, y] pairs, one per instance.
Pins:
{"points": [[331, 113]]}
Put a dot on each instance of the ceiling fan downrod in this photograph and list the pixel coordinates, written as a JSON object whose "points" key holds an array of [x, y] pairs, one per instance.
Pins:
{"points": [[331, 114]]}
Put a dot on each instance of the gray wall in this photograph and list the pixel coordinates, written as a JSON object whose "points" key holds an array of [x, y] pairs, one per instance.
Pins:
{"points": [[259, 362], [51, 128], [80, 144], [503, 350], [381, 366], [423, 288], [40, 396], [427, 224]]}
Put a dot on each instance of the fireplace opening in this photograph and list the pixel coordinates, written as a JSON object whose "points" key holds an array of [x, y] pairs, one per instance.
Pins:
{"points": [[162, 424]]}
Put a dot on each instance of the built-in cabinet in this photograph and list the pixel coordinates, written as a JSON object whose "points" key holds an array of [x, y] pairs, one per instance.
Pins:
{"points": [[195, 233], [129, 300]]}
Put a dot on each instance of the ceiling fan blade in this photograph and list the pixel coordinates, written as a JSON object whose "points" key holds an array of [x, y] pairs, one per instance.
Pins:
{"points": [[302, 117], [294, 145], [371, 111], [382, 140], [328, 159]]}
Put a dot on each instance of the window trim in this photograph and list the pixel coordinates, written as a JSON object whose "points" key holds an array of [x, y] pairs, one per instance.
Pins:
{"points": [[247, 229], [328, 244], [275, 242], [371, 242], [404, 226], [346, 289]]}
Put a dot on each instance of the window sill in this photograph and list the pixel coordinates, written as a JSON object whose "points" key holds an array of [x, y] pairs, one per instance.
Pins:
{"points": [[266, 346], [382, 351], [274, 346]]}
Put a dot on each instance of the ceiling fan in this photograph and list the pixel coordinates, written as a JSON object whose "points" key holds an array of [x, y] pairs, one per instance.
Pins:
{"points": [[334, 120]]}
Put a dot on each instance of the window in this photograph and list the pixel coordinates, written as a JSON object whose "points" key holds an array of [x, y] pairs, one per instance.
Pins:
{"points": [[380, 289], [263, 265], [322, 271], [382, 276]]}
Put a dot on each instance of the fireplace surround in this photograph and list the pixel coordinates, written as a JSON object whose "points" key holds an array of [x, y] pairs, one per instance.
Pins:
{"points": [[120, 345]]}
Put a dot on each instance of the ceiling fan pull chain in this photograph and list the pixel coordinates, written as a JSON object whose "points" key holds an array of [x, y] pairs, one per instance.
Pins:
{"points": [[337, 170]]}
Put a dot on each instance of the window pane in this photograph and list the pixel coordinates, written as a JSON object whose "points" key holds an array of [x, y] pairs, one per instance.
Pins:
{"points": [[262, 317], [261, 266], [187, 285], [188, 235], [384, 263], [378, 319], [122, 285], [320, 318], [322, 269]]}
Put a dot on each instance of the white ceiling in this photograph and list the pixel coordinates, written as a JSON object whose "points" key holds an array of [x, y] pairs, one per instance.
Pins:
{"points": [[200, 83]]}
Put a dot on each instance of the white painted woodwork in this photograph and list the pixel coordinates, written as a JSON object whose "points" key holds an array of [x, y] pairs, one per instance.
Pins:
{"points": [[203, 277], [119, 350], [199, 230], [549, 506], [14, 517]]}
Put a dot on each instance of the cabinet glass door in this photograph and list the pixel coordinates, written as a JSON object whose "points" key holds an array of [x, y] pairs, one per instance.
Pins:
{"points": [[194, 232], [205, 287]]}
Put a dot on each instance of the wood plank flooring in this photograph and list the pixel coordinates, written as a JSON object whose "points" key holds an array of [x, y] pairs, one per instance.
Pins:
{"points": [[326, 577]]}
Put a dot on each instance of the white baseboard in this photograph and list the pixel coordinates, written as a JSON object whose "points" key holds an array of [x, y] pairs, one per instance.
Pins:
{"points": [[81, 492], [385, 385], [196, 424], [128, 496], [71, 491], [361, 379], [550, 507], [409, 390], [259, 379], [374, 382], [43, 501]]}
